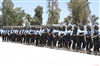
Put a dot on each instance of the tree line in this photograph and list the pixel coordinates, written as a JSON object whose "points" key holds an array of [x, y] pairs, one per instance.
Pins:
{"points": [[80, 13]]}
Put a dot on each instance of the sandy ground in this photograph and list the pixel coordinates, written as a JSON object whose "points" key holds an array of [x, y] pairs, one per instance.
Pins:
{"points": [[12, 54]]}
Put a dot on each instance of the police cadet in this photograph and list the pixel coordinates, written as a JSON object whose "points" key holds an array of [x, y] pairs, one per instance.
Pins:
{"points": [[68, 37], [54, 36], [6, 34], [44, 35], [50, 36], [82, 42], [75, 38], [27, 36], [37, 36], [89, 42], [41, 32], [23, 35], [17, 35], [3, 34], [61, 37], [32, 35], [20, 35], [96, 34], [9, 33]]}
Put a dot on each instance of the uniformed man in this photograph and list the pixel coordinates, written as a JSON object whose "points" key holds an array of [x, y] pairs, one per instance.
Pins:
{"points": [[68, 37], [88, 36], [54, 36], [37, 36], [32, 35], [50, 36], [61, 37], [27, 36], [96, 38], [44, 35], [41, 37], [82, 42], [75, 38]]}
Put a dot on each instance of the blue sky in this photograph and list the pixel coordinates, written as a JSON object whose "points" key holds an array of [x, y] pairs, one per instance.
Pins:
{"points": [[29, 5]]}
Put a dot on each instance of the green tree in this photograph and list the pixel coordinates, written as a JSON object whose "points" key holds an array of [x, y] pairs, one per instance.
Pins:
{"points": [[35, 21], [18, 15], [7, 6], [53, 12], [80, 11], [93, 19], [68, 20], [38, 14]]}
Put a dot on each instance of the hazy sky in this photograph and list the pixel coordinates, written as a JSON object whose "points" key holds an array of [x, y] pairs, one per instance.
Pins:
{"points": [[29, 5]]}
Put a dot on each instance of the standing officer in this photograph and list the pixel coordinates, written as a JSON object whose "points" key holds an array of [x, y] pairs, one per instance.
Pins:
{"points": [[54, 36], [96, 34], [89, 42], [68, 37], [61, 37], [75, 39], [50, 36], [32, 35], [44, 35], [82, 41], [37, 36]]}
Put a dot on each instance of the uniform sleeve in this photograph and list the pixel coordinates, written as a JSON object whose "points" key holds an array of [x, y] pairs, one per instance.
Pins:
{"points": [[71, 32], [92, 32], [59, 33], [1, 31], [78, 32], [65, 32], [99, 31]]}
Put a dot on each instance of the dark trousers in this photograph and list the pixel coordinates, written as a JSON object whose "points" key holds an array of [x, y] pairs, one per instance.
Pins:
{"points": [[37, 39], [9, 38], [50, 40], [27, 38], [3, 37], [44, 37], [41, 40], [67, 41], [13, 37], [55, 40], [96, 45], [75, 42], [89, 43], [82, 40], [61, 41], [32, 39]]}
